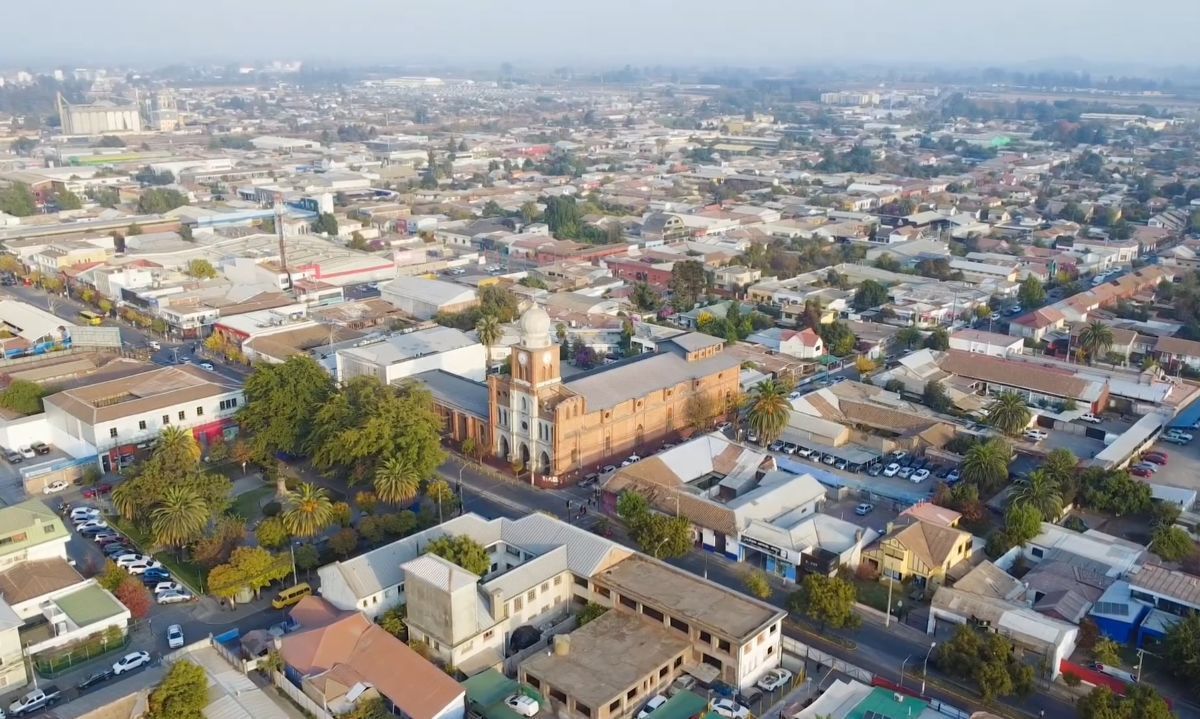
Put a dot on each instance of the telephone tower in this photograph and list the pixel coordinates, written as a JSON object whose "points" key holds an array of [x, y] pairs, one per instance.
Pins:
{"points": [[279, 233]]}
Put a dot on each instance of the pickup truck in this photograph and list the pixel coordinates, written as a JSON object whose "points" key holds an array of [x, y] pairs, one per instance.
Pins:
{"points": [[35, 700]]}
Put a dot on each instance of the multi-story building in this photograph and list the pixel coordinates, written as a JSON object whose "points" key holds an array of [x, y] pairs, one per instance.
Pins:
{"points": [[555, 426], [403, 355], [111, 419]]}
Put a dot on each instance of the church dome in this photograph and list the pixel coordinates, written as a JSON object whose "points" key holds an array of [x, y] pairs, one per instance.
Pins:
{"points": [[535, 328]]}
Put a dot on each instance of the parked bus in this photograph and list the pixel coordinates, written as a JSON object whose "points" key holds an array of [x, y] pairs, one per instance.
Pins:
{"points": [[90, 318]]}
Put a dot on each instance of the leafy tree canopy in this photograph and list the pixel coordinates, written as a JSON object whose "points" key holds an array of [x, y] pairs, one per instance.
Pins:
{"points": [[463, 551]]}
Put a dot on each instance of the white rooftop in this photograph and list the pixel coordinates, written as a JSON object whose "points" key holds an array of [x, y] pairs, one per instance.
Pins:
{"points": [[404, 347]]}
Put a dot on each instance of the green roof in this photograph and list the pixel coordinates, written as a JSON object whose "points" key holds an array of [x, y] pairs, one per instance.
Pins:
{"points": [[32, 518], [487, 690], [683, 705], [89, 605], [882, 703]]}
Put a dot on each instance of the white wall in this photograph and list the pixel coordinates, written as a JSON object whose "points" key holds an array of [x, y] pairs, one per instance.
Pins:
{"points": [[761, 657], [128, 428]]}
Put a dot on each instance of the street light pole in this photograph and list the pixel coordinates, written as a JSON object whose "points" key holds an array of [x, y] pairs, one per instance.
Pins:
{"points": [[902, 669], [887, 621], [925, 668]]}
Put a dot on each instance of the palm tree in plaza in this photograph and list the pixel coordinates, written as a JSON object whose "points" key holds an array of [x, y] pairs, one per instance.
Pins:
{"points": [[767, 409], [309, 510], [179, 518], [396, 481]]}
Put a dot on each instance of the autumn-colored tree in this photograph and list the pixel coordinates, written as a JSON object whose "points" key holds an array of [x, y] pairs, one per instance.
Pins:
{"points": [[134, 595]]}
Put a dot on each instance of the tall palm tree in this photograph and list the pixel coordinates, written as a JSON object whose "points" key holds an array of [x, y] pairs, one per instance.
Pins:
{"points": [[488, 329], [125, 499], [396, 481], [178, 445], [767, 410], [309, 510], [179, 517], [986, 465], [1095, 339], [1008, 413], [1040, 491], [439, 491]]}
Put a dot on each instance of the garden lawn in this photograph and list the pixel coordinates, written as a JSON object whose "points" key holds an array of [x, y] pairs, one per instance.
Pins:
{"points": [[247, 505]]}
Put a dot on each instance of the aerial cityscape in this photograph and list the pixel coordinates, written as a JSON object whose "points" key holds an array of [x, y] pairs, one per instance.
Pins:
{"points": [[420, 362]]}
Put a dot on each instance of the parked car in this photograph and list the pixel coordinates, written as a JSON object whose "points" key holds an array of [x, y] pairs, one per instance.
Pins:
{"points": [[630, 460], [169, 587], [154, 345], [1089, 417], [40, 447], [174, 597], [57, 485], [829, 459], [27, 452], [98, 490], [953, 476], [891, 470], [80, 514], [1035, 435], [127, 559], [526, 706], [1175, 439], [207, 365], [749, 697], [13, 457], [875, 469], [1141, 472], [116, 549], [106, 537], [90, 528], [130, 661], [730, 709], [683, 683], [919, 476], [174, 636], [751, 436], [804, 452], [141, 567], [776, 446], [94, 679], [906, 472], [775, 679], [648, 708], [34, 700], [790, 447], [864, 509], [287, 626], [1176, 432], [1156, 458]]}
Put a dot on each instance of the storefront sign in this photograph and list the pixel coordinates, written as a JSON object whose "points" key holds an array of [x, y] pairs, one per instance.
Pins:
{"points": [[761, 546]]}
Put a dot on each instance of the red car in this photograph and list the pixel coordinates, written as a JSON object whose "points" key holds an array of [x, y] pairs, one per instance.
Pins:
{"points": [[93, 492], [1141, 472], [1156, 457]]}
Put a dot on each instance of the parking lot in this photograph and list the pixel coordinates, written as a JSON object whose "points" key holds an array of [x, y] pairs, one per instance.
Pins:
{"points": [[1183, 465]]}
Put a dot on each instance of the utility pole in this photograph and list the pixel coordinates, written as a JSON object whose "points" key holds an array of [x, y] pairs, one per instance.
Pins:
{"points": [[279, 233], [925, 668]]}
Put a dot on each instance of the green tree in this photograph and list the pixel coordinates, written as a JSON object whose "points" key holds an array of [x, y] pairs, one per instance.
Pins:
{"points": [[869, 294], [986, 464], [1139, 702], [396, 481], [369, 708], [394, 622], [590, 612], [344, 542], [1181, 649], [756, 583], [249, 568], [658, 535], [1031, 294], [17, 200], [702, 411], [1095, 339], [688, 283], [462, 551], [67, 200], [1008, 413], [112, 576], [439, 492], [908, 337], [644, 298], [307, 557], [358, 242], [1062, 466], [326, 223], [562, 217], [368, 422], [179, 517], [1039, 491], [989, 660], [1113, 491], [1021, 524], [828, 601], [768, 409], [178, 449], [939, 340], [182, 694], [218, 544], [23, 396], [935, 396], [201, 269], [1106, 651], [489, 331], [1172, 543], [282, 401], [839, 339], [158, 200], [309, 511], [272, 533]]}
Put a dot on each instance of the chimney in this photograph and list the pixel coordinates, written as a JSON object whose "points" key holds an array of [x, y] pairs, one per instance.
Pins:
{"points": [[499, 608]]}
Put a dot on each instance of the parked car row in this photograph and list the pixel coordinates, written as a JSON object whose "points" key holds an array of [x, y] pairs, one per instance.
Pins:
{"points": [[89, 523], [28, 451], [914, 469]]}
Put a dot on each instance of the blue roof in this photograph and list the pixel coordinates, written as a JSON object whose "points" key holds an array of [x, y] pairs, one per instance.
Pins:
{"points": [[1188, 417]]}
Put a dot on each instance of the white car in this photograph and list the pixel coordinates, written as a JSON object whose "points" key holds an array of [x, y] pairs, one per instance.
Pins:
{"points": [[207, 365], [775, 679], [906, 472], [730, 709], [919, 476], [169, 587], [126, 560], [891, 470], [27, 452], [142, 567], [828, 459], [174, 597], [89, 524], [804, 452], [630, 460], [1035, 435], [174, 636], [1091, 418], [1180, 434], [130, 661], [523, 705], [154, 345], [57, 485], [648, 708], [83, 514], [751, 436]]}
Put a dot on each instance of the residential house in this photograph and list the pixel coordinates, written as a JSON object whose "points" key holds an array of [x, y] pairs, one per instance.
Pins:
{"points": [[922, 552], [801, 344]]}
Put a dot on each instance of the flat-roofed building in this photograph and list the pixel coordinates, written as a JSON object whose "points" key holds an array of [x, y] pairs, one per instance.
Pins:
{"points": [[398, 356], [422, 298], [607, 668], [112, 418]]}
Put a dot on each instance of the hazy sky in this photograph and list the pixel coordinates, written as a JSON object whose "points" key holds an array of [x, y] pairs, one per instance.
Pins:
{"points": [[574, 32]]}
